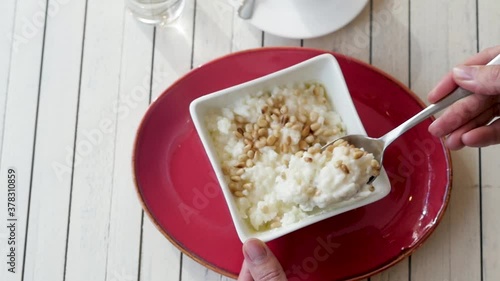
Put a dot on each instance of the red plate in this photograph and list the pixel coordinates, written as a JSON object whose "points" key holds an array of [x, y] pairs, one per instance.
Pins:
{"points": [[179, 191]]}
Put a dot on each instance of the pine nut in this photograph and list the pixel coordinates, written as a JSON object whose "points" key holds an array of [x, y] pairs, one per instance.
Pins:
{"points": [[262, 132], [358, 154], [259, 144], [275, 225], [233, 186], [271, 140], [313, 116], [310, 191], [344, 168], [284, 109], [262, 122], [305, 131], [264, 109], [247, 148], [319, 91], [250, 154], [303, 145], [238, 134], [315, 126], [314, 149], [242, 158], [270, 102], [284, 119], [235, 178], [297, 127], [318, 132]]}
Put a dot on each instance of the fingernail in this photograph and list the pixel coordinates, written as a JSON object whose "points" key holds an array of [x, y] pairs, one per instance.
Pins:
{"points": [[255, 251], [465, 73]]}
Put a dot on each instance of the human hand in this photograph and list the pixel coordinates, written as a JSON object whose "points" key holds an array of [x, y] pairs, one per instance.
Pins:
{"points": [[260, 264], [466, 121]]}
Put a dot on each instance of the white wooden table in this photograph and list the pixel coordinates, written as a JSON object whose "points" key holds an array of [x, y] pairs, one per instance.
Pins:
{"points": [[68, 67]]}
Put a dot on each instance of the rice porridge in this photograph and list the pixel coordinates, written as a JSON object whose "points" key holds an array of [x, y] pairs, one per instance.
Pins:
{"points": [[269, 145]]}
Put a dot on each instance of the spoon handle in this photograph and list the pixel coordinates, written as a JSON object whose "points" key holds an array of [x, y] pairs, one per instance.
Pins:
{"points": [[432, 109]]}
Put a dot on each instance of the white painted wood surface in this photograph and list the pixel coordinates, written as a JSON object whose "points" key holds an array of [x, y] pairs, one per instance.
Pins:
{"points": [[89, 76], [52, 168], [489, 35], [90, 231], [443, 33], [20, 122]]}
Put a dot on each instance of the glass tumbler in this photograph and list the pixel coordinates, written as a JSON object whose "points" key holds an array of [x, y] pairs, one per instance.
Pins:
{"points": [[160, 12]]}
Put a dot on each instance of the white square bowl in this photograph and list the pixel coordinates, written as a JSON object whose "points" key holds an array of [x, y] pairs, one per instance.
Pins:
{"points": [[323, 69]]}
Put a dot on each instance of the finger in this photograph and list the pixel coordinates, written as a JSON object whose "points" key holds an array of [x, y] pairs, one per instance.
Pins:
{"points": [[483, 80], [245, 273], [454, 140], [261, 262], [483, 136], [448, 85], [460, 113], [445, 86]]}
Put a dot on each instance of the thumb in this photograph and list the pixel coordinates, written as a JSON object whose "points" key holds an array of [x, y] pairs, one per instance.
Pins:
{"points": [[261, 262], [478, 79]]}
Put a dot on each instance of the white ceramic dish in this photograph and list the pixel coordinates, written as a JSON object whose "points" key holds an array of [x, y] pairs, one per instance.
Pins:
{"points": [[302, 19], [323, 69]]}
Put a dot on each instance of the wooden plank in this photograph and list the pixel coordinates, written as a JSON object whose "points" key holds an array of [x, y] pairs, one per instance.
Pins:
{"points": [[245, 36], [273, 40], [172, 58], [390, 32], [218, 31], [193, 271], [89, 229], [20, 124], [390, 44], [52, 168], [352, 40], [7, 17], [213, 30], [126, 215], [444, 34], [489, 13]]}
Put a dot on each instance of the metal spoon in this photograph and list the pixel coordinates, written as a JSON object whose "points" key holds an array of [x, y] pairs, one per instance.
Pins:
{"points": [[377, 146], [245, 11]]}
